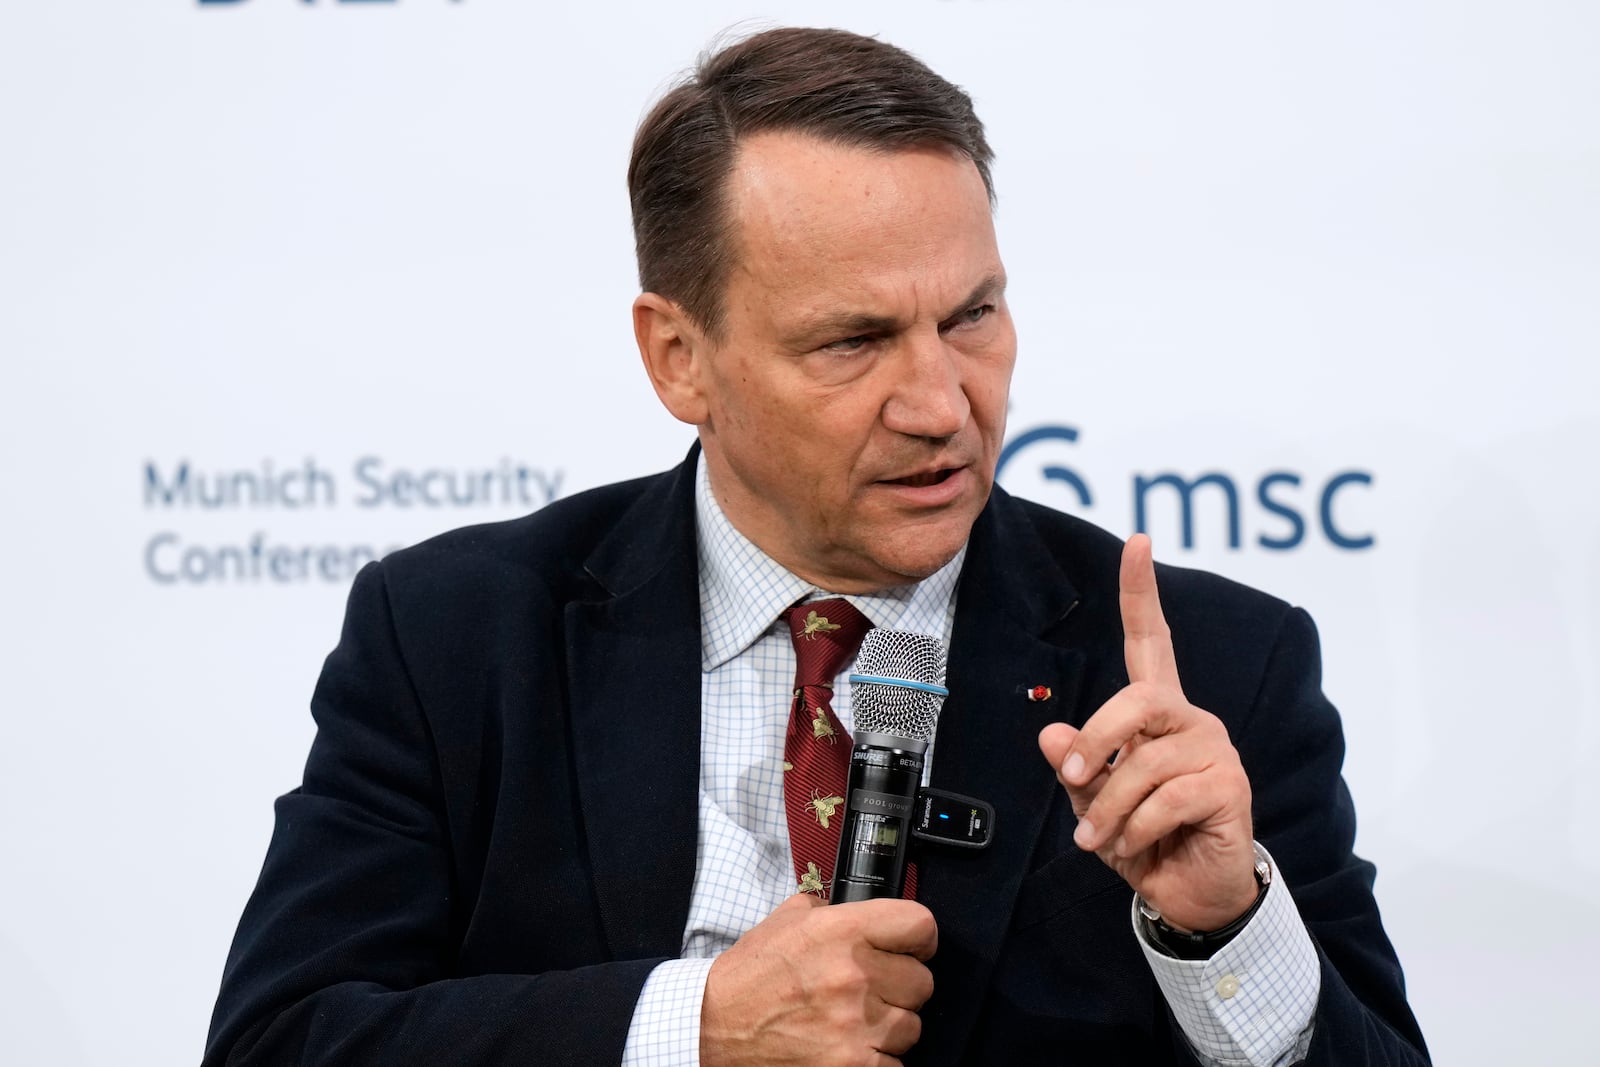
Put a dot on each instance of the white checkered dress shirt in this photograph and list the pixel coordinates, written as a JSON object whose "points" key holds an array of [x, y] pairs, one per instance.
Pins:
{"points": [[1250, 1004]]}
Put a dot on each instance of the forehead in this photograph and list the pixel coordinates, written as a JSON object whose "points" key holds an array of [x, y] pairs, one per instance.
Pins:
{"points": [[813, 222]]}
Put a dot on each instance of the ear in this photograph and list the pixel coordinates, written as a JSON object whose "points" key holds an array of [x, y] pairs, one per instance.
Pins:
{"points": [[672, 348]]}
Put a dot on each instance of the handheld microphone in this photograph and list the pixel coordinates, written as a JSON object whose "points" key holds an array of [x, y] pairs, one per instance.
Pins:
{"points": [[898, 688]]}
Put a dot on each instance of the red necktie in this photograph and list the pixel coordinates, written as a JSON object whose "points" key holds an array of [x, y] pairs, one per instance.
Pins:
{"points": [[816, 750]]}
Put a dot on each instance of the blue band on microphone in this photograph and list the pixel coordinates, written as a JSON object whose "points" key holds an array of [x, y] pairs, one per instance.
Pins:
{"points": [[903, 683]]}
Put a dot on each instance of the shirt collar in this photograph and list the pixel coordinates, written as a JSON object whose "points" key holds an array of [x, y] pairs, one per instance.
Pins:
{"points": [[743, 590]]}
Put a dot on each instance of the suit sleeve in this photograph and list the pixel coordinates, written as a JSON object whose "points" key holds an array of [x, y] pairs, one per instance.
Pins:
{"points": [[345, 950], [1292, 747]]}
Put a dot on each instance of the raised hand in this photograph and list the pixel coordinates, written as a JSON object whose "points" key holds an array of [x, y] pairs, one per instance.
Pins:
{"points": [[1171, 812], [821, 986]]}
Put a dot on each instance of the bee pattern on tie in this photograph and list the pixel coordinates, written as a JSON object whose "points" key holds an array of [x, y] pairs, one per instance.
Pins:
{"points": [[824, 807], [821, 728], [816, 624], [811, 881]]}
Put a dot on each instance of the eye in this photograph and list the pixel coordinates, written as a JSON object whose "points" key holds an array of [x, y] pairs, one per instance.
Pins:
{"points": [[972, 315], [848, 344]]}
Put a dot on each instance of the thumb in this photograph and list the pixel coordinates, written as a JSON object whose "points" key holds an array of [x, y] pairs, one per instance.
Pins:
{"points": [[1055, 741], [800, 902]]}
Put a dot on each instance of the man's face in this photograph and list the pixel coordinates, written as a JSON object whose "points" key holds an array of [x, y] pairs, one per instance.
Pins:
{"points": [[855, 399]]}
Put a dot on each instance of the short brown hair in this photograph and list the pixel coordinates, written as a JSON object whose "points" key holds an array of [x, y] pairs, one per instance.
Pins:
{"points": [[832, 84]]}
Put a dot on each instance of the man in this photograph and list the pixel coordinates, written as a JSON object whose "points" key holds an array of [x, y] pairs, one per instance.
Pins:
{"points": [[531, 831]]}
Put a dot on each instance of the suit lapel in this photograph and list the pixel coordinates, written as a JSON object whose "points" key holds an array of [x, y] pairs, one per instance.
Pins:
{"points": [[1013, 593], [633, 679]]}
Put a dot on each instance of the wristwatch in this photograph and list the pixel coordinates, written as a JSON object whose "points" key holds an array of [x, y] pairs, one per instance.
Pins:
{"points": [[1203, 944]]}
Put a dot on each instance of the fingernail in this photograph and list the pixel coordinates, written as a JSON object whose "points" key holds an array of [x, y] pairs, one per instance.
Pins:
{"points": [[1121, 848], [1073, 767], [1084, 834]]}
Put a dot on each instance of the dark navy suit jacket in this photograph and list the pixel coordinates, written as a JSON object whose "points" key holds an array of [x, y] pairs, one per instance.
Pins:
{"points": [[494, 842]]}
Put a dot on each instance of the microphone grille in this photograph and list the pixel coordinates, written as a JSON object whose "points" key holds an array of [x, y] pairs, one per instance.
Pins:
{"points": [[898, 710]]}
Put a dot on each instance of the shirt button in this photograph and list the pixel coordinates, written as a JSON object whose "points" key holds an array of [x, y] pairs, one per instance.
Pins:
{"points": [[1227, 986]]}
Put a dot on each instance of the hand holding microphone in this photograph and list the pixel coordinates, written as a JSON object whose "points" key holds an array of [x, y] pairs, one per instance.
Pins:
{"points": [[815, 985]]}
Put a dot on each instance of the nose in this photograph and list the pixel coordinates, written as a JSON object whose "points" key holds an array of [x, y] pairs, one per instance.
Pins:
{"points": [[927, 399]]}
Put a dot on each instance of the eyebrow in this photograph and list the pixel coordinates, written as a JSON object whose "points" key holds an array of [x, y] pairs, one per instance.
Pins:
{"points": [[990, 287], [855, 325]]}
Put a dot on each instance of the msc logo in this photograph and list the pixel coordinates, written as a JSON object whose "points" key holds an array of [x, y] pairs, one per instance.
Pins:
{"points": [[1281, 496]]}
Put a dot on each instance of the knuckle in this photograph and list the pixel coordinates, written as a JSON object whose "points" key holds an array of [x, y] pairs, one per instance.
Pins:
{"points": [[1106, 810], [836, 924], [1179, 793], [912, 1030], [847, 982], [1088, 738], [1241, 787], [1144, 693], [1136, 829], [1140, 761], [899, 1030]]}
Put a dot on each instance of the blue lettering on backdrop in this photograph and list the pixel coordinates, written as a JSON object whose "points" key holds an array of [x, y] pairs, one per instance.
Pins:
{"points": [[1273, 491], [1296, 523], [1055, 474], [168, 561], [306, 486], [506, 483], [1326, 510], [1185, 489]]}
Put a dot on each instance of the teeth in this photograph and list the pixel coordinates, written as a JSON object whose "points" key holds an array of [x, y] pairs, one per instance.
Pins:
{"points": [[917, 481]]}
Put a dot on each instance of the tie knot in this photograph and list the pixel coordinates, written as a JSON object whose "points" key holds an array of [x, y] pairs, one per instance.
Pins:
{"points": [[826, 633]]}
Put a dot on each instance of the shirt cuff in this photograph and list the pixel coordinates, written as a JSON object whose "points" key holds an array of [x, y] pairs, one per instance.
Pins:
{"points": [[665, 1031], [1253, 1003]]}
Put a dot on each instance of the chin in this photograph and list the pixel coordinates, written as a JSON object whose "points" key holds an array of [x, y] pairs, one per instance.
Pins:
{"points": [[902, 549], [920, 558]]}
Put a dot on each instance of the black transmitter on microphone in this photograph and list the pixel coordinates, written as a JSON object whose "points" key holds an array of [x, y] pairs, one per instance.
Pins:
{"points": [[943, 818]]}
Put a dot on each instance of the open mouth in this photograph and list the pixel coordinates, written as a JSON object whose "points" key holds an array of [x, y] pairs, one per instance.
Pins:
{"points": [[925, 479]]}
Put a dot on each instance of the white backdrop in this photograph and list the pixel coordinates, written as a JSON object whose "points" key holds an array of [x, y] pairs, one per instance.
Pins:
{"points": [[1354, 244]]}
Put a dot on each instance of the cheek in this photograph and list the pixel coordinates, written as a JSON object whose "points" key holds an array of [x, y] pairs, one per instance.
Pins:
{"points": [[741, 404], [988, 388], [1005, 361]]}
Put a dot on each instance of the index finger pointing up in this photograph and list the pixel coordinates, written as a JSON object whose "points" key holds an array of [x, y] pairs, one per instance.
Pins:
{"points": [[1146, 641]]}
